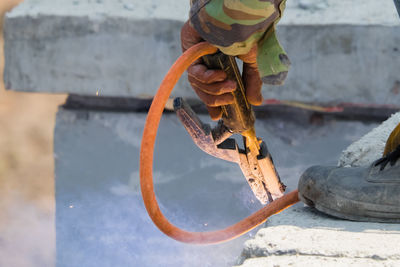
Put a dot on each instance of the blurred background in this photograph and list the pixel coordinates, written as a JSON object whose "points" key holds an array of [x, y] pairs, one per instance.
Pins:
{"points": [[26, 171]]}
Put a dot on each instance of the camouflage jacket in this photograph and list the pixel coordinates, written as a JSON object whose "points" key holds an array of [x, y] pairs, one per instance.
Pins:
{"points": [[235, 26]]}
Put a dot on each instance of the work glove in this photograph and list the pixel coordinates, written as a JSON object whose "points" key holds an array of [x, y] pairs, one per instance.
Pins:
{"points": [[212, 86]]}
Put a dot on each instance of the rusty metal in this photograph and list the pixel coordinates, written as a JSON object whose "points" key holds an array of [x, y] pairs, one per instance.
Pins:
{"points": [[254, 159], [258, 168]]}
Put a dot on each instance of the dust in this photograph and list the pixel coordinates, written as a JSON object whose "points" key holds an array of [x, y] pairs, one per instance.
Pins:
{"points": [[27, 232]]}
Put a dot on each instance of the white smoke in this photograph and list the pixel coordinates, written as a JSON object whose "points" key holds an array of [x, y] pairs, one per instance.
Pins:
{"points": [[27, 233]]}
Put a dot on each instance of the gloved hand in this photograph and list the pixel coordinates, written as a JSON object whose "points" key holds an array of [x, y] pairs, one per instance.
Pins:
{"points": [[212, 86]]}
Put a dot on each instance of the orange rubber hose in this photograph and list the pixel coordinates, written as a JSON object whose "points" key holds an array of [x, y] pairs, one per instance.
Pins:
{"points": [[146, 166]]}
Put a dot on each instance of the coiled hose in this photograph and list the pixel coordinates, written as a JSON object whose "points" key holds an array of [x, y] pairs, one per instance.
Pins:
{"points": [[146, 165]]}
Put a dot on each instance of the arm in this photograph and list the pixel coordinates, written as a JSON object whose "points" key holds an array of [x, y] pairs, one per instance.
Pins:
{"points": [[234, 26], [243, 28]]}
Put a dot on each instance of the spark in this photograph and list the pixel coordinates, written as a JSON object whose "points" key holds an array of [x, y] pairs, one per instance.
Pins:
{"points": [[71, 206]]}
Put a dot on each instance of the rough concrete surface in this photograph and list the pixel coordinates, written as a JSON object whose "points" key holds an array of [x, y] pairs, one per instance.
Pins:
{"points": [[100, 218], [371, 146], [315, 261], [349, 50], [301, 236], [351, 12]]}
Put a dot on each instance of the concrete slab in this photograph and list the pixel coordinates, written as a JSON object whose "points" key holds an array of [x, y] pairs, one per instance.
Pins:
{"points": [[315, 261], [301, 236], [100, 218], [371, 146], [349, 49], [350, 12]]}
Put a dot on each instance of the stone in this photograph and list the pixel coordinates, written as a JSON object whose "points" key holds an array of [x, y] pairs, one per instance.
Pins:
{"points": [[348, 52], [371, 146], [301, 236], [100, 216]]}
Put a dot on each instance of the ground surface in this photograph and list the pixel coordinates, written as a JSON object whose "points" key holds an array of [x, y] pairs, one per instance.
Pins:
{"points": [[301, 236], [26, 174], [100, 215]]}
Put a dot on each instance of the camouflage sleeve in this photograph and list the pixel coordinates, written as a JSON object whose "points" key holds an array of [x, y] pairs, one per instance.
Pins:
{"points": [[235, 26]]}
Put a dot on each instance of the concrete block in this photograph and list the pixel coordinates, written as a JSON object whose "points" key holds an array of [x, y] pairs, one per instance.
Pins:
{"points": [[341, 51], [119, 48], [371, 146], [315, 261], [301, 236], [100, 217]]}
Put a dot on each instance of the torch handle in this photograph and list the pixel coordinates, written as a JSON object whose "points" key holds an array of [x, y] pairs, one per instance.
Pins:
{"points": [[239, 116]]}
